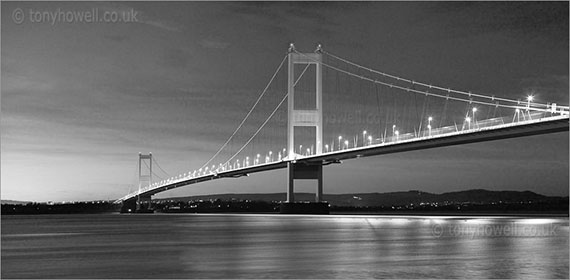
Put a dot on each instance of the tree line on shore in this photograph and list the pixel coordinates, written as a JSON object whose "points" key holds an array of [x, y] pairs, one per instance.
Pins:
{"points": [[256, 206]]}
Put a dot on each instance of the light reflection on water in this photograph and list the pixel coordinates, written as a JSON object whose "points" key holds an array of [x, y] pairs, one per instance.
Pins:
{"points": [[281, 246]]}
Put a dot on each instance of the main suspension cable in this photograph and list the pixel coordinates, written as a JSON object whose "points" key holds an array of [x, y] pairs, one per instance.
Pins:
{"points": [[159, 167], [248, 114], [427, 85], [268, 118], [425, 92]]}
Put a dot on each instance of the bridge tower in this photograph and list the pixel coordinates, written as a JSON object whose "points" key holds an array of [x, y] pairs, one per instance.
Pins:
{"points": [[145, 179], [304, 118]]}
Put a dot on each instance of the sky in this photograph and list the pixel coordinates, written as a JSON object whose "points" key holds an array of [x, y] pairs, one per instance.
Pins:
{"points": [[80, 100]]}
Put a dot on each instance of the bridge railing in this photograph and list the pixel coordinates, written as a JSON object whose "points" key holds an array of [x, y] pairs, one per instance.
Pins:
{"points": [[465, 127]]}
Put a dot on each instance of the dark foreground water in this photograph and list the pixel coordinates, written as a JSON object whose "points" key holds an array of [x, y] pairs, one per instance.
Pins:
{"points": [[278, 246]]}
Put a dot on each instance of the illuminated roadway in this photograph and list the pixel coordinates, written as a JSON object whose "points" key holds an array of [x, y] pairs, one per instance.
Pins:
{"points": [[406, 142]]}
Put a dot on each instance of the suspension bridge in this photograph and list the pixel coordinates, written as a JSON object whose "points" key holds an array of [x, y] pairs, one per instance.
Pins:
{"points": [[323, 109]]}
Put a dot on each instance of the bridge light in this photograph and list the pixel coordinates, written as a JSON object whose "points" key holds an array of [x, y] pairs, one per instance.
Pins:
{"points": [[529, 99], [291, 47], [326, 148], [369, 139], [397, 135], [468, 120], [346, 143], [429, 125], [474, 119]]}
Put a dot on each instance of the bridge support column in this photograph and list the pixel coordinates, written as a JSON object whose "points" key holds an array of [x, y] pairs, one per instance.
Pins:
{"points": [[144, 204], [312, 117], [290, 182], [319, 193], [129, 206], [140, 204], [306, 117], [304, 172]]}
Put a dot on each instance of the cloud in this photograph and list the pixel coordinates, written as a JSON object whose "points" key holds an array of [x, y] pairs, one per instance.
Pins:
{"points": [[141, 16], [211, 43], [20, 84], [115, 38], [527, 19], [162, 25], [176, 58]]}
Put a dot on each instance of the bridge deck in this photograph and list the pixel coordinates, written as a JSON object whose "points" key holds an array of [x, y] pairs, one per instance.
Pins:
{"points": [[503, 131]]}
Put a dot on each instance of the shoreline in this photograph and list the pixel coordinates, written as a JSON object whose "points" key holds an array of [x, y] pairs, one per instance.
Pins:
{"points": [[332, 213]]}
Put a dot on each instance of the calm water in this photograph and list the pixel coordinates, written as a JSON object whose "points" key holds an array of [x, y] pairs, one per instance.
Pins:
{"points": [[278, 246]]}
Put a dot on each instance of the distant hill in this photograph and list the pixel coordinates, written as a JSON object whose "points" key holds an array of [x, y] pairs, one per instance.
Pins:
{"points": [[476, 196], [13, 202]]}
